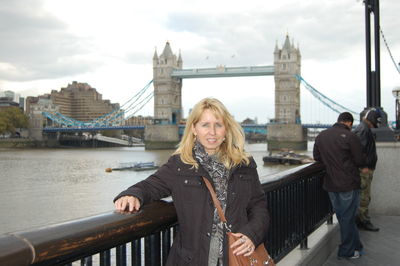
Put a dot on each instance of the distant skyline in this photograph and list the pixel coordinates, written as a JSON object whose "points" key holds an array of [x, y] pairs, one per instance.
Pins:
{"points": [[109, 45]]}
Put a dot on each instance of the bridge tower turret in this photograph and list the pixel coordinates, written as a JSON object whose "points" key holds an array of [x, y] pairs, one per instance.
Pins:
{"points": [[286, 130]]}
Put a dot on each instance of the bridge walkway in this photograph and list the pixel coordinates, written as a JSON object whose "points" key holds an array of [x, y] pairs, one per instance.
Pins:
{"points": [[381, 248], [134, 142]]}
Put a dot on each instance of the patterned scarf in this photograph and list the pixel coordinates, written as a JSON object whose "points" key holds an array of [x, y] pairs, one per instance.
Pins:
{"points": [[219, 175]]}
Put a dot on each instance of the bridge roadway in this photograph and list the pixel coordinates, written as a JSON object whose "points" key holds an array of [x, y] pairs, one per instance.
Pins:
{"points": [[223, 71], [88, 129], [248, 128]]}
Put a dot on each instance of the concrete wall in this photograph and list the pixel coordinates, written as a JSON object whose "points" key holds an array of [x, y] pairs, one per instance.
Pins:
{"points": [[385, 194], [36, 126], [161, 137], [289, 136]]}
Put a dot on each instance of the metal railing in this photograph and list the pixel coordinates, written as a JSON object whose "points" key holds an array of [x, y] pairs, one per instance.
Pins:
{"points": [[297, 206]]}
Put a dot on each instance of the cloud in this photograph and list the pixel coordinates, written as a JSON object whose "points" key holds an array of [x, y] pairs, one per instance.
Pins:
{"points": [[111, 46], [36, 45], [138, 57], [252, 36], [324, 30]]}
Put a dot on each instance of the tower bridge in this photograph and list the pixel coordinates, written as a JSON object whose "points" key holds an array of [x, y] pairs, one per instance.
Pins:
{"points": [[168, 74], [286, 131]]}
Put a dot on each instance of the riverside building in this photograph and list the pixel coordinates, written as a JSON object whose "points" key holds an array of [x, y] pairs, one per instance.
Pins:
{"points": [[78, 100]]}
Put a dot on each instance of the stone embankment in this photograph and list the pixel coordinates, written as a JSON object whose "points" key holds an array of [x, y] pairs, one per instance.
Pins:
{"points": [[27, 143]]}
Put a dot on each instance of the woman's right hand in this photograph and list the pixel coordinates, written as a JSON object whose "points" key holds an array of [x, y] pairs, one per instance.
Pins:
{"points": [[130, 202]]}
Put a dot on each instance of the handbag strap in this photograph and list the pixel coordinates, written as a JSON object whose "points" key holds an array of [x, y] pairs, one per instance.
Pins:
{"points": [[217, 204]]}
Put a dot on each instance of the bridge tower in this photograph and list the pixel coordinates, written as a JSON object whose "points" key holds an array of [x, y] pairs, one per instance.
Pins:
{"points": [[287, 63], [286, 130], [167, 101], [167, 90]]}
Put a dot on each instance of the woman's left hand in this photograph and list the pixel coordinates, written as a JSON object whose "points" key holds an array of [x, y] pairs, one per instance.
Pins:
{"points": [[244, 245]]}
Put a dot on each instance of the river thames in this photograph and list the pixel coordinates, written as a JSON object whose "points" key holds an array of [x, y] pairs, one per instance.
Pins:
{"points": [[46, 186]]}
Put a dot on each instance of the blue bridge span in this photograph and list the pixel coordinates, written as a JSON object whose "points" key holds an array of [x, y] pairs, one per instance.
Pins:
{"points": [[248, 128]]}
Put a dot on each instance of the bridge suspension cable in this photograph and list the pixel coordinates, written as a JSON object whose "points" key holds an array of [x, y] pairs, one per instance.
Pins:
{"points": [[145, 100], [390, 53], [331, 104], [132, 104], [137, 96], [118, 114]]}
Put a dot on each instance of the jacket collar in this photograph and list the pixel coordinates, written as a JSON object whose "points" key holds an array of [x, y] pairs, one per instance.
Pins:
{"points": [[187, 169], [340, 125]]}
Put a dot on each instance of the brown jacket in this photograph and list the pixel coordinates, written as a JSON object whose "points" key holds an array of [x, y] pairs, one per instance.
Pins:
{"points": [[246, 209]]}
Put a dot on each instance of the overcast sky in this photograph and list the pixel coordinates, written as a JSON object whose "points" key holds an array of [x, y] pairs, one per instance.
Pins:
{"points": [[47, 44]]}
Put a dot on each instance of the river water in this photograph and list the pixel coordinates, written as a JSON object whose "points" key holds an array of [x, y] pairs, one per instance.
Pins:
{"points": [[39, 187]]}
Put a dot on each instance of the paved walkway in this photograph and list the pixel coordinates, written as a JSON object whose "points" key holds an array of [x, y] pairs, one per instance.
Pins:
{"points": [[381, 248]]}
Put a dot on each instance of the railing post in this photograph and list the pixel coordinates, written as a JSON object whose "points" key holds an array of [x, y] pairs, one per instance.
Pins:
{"points": [[304, 243], [136, 252], [86, 261], [121, 255], [166, 244], [105, 258], [152, 254], [330, 220]]}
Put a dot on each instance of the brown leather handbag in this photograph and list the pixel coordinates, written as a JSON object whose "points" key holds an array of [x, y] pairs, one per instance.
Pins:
{"points": [[260, 255]]}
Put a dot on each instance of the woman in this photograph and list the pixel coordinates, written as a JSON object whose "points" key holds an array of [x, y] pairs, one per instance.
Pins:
{"points": [[212, 146]]}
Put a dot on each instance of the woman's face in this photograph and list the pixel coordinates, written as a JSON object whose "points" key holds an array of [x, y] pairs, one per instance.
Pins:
{"points": [[210, 131]]}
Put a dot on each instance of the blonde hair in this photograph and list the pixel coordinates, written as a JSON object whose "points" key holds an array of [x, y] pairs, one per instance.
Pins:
{"points": [[231, 151]]}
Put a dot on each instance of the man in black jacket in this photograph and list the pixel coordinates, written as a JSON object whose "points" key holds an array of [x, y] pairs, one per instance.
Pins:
{"points": [[363, 131], [340, 151]]}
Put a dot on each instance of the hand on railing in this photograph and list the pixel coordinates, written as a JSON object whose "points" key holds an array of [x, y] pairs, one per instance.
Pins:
{"points": [[127, 203]]}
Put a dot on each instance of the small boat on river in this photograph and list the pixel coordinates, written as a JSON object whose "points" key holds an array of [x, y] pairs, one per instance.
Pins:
{"points": [[287, 157], [135, 166]]}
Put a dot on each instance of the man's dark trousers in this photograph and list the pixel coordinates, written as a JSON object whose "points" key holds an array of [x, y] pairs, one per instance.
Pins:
{"points": [[345, 205]]}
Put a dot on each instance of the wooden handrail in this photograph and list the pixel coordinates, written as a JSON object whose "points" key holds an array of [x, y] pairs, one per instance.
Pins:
{"points": [[78, 238]]}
